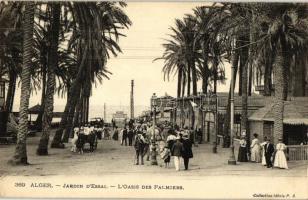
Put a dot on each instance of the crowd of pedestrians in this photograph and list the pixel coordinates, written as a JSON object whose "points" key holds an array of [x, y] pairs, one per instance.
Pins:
{"points": [[169, 143], [173, 143]]}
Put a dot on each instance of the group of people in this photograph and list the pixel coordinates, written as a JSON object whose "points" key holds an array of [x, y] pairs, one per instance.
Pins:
{"points": [[264, 152], [88, 130], [180, 146], [166, 142], [176, 144]]}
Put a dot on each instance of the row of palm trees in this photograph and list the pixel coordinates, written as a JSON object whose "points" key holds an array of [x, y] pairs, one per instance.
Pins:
{"points": [[251, 37], [58, 47]]}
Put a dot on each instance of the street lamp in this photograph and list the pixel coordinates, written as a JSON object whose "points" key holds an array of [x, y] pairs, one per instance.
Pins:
{"points": [[232, 160], [153, 141]]}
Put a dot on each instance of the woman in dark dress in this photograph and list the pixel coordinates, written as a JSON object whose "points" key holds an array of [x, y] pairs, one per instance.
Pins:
{"points": [[115, 134], [242, 153], [187, 151]]}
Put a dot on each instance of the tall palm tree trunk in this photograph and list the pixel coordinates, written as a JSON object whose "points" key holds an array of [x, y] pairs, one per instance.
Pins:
{"points": [[51, 81], [279, 95], [11, 92], [20, 155], [205, 78], [77, 119], [240, 69], [73, 97], [188, 79], [234, 63], [244, 66], [70, 117], [268, 76], [299, 75], [87, 108], [179, 83], [250, 77], [215, 69], [39, 119], [194, 76], [183, 83], [205, 71]]}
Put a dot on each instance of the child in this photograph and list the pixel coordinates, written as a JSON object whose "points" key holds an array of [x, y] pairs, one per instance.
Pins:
{"points": [[165, 155]]}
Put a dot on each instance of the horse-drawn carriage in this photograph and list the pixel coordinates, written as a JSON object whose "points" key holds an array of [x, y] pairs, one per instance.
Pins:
{"points": [[86, 135], [90, 139]]}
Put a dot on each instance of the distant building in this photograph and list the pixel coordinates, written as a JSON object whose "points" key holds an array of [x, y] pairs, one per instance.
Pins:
{"points": [[119, 118], [295, 120]]}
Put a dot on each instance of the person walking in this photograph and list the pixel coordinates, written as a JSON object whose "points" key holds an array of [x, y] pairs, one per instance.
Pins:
{"points": [[268, 152], [166, 155], [242, 152], [176, 152], [139, 147], [124, 136], [115, 135], [255, 149], [171, 140], [130, 136], [146, 150], [280, 160], [187, 150], [113, 124], [263, 162]]}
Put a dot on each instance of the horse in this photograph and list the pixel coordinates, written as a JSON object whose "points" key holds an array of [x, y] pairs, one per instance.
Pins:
{"points": [[83, 139]]}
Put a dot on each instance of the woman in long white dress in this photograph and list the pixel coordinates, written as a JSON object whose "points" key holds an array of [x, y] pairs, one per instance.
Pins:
{"points": [[255, 149], [263, 162], [280, 157]]}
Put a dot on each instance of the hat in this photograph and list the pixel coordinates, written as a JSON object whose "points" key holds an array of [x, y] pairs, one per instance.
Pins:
{"points": [[243, 133]]}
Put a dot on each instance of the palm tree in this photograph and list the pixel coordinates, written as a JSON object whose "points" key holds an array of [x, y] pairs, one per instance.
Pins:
{"points": [[174, 63], [288, 36], [50, 84], [20, 156], [10, 52], [92, 49], [180, 55]]}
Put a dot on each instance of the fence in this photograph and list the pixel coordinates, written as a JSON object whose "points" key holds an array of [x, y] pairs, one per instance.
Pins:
{"points": [[298, 152]]}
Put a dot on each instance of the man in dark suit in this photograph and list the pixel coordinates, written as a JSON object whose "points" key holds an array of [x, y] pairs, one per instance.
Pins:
{"points": [[139, 147], [269, 150], [176, 151], [130, 135], [124, 136], [186, 151]]}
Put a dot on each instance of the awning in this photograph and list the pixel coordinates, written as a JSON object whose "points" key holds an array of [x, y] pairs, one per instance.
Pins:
{"points": [[295, 113]]}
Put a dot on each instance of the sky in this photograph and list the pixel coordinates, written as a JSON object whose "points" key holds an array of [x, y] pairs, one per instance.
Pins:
{"points": [[142, 44]]}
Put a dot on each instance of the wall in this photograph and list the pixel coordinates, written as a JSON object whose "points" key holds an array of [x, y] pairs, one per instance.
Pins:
{"points": [[256, 127]]}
